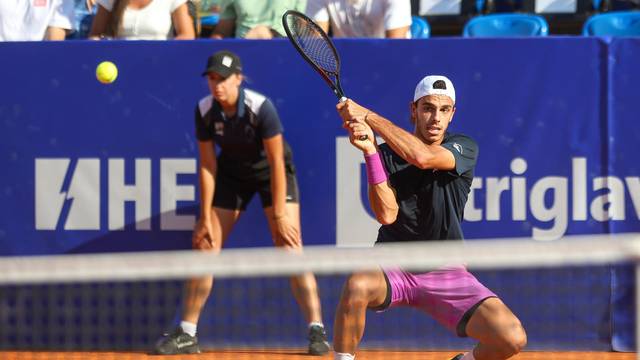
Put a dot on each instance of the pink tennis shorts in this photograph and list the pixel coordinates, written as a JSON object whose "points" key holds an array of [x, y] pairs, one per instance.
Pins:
{"points": [[449, 294]]}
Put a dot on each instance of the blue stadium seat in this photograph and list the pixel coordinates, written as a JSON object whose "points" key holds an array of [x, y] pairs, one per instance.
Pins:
{"points": [[622, 23], [209, 20], [420, 28], [506, 25]]}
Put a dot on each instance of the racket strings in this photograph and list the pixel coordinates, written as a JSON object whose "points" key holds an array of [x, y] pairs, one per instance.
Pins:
{"points": [[313, 44]]}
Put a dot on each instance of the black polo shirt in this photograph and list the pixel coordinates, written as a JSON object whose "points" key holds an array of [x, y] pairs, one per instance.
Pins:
{"points": [[431, 202], [240, 137]]}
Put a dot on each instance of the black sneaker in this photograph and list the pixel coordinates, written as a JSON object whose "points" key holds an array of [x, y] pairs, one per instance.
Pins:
{"points": [[178, 342], [457, 357], [318, 344]]}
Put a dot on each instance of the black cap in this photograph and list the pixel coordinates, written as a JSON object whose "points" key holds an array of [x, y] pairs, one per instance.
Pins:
{"points": [[223, 63]]}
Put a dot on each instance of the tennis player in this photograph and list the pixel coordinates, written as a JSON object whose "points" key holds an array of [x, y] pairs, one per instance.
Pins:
{"points": [[254, 158], [418, 186]]}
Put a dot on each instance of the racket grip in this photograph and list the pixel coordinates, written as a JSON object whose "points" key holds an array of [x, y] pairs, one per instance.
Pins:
{"points": [[363, 137]]}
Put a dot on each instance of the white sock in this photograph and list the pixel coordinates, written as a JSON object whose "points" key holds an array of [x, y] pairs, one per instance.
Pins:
{"points": [[468, 356], [343, 356], [189, 327], [315, 323]]}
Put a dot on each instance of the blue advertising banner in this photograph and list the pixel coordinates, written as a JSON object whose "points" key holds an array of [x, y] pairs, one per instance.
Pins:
{"points": [[102, 168]]}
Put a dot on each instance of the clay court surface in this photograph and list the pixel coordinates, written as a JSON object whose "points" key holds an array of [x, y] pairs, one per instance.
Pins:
{"points": [[298, 355]]}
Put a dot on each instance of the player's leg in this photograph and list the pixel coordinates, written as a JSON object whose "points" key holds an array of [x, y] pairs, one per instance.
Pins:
{"points": [[361, 291], [228, 204], [183, 339], [197, 290], [498, 330], [304, 287], [457, 300], [229, 201]]}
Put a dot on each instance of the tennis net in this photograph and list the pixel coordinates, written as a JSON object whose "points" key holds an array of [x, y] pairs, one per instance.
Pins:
{"points": [[568, 293]]}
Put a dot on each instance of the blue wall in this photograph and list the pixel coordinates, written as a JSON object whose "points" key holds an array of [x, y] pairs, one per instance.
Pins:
{"points": [[556, 114]]}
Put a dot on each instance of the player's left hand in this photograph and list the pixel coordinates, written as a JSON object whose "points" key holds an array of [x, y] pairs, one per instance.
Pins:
{"points": [[287, 234]]}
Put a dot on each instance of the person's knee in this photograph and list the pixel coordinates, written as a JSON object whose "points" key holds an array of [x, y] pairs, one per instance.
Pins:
{"points": [[514, 340], [356, 290]]}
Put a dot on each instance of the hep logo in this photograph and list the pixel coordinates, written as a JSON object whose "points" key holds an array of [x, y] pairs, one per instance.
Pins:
{"points": [[70, 192]]}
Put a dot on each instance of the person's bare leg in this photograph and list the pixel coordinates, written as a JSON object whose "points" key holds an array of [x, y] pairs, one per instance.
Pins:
{"points": [[197, 290], [498, 331], [304, 287], [361, 290]]}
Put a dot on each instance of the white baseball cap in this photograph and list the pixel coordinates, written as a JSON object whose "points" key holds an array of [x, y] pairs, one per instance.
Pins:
{"points": [[435, 85]]}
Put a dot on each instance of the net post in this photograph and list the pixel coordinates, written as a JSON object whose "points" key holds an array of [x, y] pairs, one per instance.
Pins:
{"points": [[637, 303]]}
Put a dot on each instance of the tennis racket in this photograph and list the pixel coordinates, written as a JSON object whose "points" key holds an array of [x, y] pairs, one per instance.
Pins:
{"points": [[316, 48]]}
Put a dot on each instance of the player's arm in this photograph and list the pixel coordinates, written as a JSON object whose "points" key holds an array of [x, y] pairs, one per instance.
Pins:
{"points": [[183, 23], [285, 230], [206, 175], [409, 147], [403, 143], [274, 148], [382, 197], [203, 234]]}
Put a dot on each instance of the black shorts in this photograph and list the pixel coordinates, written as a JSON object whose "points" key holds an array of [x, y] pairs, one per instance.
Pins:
{"points": [[235, 193]]}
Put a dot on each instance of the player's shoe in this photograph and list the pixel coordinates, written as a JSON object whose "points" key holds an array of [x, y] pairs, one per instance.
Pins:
{"points": [[318, 344], [457, 357], [178, 342]]}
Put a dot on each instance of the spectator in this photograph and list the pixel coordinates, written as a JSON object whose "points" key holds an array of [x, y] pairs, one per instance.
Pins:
{"points": [[142, 20], [362, 18], [251, 19], [35, 20]]}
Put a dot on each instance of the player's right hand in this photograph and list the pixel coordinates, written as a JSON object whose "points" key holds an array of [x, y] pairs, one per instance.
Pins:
{"points": [[203, 238]]}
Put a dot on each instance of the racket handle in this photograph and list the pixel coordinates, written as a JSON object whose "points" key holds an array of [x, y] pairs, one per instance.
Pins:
{"points": [[363, 137]]}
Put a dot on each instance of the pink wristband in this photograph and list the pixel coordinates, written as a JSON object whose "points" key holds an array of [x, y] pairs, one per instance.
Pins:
{"points": [[375, 170]]}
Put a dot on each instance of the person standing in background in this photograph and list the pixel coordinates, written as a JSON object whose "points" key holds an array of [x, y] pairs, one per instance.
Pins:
{"points": [[362, 18], [35, 20], [142, 20]]}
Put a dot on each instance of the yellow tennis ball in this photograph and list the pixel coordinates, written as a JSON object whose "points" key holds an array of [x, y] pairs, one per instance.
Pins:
{"points": [[106, 72]]}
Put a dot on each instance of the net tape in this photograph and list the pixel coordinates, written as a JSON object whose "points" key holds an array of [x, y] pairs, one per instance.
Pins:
{"points": [[269, 261]]}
